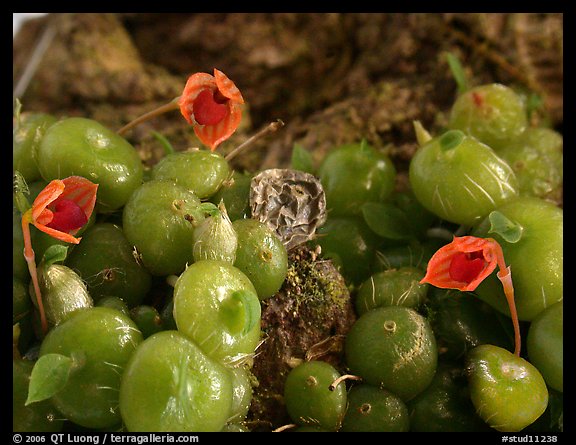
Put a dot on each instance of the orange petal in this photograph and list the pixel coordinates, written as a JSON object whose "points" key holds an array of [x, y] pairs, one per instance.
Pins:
{"points": [[194, 85], [48, 195], [62, 236], [470, 243], [45, 217], [214, 135], [227, 87], [438, 270], [82, 192]]}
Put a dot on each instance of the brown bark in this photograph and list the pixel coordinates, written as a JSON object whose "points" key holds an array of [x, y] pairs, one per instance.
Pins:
{"points": [[331, 77]]}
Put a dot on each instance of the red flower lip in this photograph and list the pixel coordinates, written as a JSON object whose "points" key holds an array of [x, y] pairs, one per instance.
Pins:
{"points": [[212, 105]]}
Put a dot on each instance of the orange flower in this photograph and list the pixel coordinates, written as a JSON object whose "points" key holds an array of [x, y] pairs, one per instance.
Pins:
{"points": [[465, 262], [462, 264], [212, 105], [61, 209]]}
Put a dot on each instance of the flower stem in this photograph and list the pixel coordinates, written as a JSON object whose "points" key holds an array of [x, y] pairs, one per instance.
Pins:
{"points": [[340, 379], [270, 128], [170, 106], [284, 427], [30, 260], [505, 277]]}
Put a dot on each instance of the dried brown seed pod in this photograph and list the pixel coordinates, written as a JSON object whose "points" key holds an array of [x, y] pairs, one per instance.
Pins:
{"points": [[291, 202]]}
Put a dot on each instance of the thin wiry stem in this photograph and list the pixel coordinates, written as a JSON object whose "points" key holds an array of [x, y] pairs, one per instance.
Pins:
{"points": [[284, 427], [170, 106], [270, 128], [31, 261], [505, 277], [340, 379]]}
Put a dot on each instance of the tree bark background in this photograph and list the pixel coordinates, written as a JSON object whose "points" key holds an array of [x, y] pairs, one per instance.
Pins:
{"points": [[330, 77]]}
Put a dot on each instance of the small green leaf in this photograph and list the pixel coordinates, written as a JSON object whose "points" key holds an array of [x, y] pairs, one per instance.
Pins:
{"points": [[458, 72], [241, 311], [534, 103], [166, 145], [387, 220], [210, 209], [302, 159], [365, 147], [451, 139], [49, 375], [56, 253], [509, 230], [21, 191]]}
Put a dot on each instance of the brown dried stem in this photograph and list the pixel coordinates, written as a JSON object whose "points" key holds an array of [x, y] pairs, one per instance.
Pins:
{"points": [[270, 128]]}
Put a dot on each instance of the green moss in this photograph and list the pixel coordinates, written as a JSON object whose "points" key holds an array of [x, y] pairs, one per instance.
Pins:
{"points": [[315, 286]]}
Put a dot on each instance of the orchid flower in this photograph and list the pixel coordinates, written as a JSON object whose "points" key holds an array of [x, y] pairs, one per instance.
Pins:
{"points": [[465, 262], [61, 209], [211, 104]]}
